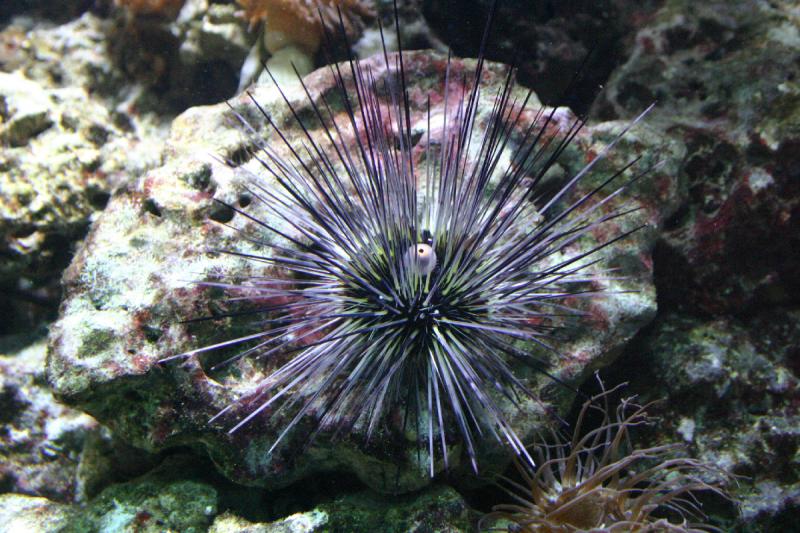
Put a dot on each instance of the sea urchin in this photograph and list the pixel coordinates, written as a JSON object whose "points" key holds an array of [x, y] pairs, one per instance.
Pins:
{"points": [[408, 259]]}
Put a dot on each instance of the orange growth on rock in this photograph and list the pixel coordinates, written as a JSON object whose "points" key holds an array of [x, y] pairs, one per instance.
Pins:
{"points": [[299, 20]]}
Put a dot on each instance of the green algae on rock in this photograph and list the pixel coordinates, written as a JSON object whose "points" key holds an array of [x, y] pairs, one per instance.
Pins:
{"points": [[729, 390], [437, 509], [169, 498]]}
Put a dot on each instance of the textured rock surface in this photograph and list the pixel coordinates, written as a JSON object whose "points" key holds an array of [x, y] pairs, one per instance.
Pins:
{"points": [[725, 75], [67, 139], [20, 513], [61, 158], [310, 522], [180, 495], [130, 286], [439, 509], [166, 499], [41, 440], [84, 107], [142, 64], [730, 390], [565, 51], [85, 110], [724, 353], [436, 509], [181, 59], [106, 459]]}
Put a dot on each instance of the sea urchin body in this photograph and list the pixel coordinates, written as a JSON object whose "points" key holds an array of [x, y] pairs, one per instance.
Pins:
{"points": [[410, 259]]}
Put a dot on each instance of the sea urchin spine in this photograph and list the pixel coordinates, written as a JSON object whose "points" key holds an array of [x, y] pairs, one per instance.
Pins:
{"points": [[413, 268]]}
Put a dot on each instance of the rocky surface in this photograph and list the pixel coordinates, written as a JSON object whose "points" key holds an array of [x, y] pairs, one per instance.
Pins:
{"points": [[41, 440], [729, 389], [63, 149], [183, 495], [565, 51], [87, 97], [722, 351], [173, 497], [19, 512], [62, 156], [439, 509], [182, 57], [725, 75], [118, 320], [726, 365], [46, 448]]}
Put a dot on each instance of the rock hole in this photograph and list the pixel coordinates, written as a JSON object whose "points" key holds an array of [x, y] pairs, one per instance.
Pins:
{"points": [[150, 206], [221, 213]]}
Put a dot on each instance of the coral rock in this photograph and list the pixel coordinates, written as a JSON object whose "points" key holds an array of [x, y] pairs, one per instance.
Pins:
{"points": [[41, 440], [131, 286], [725, 76]]}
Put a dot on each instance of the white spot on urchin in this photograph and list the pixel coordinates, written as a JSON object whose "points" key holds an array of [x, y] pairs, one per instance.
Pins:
{"points": [[422, 258]]}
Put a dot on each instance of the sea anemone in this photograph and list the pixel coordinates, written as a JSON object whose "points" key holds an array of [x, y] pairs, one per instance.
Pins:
{"points": [[410, 261], [598, 482]]}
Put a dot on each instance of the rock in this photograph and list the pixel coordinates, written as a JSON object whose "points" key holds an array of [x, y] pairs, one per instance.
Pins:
{"points": [[66, 10], [565, 51], [42, 440], [772, 506], [212, 32], [20, 513], [167, 499], [438, 509], [417, 33], [74, 54], [61, 158], [728, 389], [105, 460], [724, 75], [147, 69], [25, 110], [180, 61], [73, 126], [723, 353], [131, 286], [309, 522]]}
